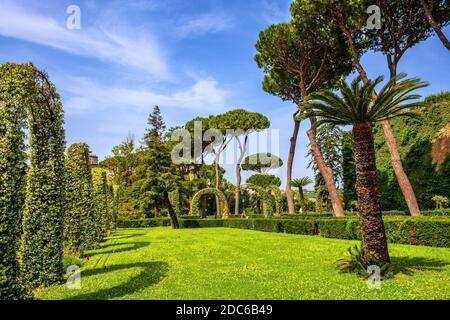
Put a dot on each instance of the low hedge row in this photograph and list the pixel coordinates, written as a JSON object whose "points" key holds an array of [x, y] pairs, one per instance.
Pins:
{"points": [[428, 231]]}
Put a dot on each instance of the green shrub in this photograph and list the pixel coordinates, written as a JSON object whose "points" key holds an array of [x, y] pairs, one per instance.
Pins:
{"points": [[438, 212], [143, 223], [41, 250], [428, 231], [13, 112], [79, 226], [333, 228]]}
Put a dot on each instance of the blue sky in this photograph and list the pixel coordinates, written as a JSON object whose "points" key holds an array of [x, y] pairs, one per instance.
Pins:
{"points": [[189, 57]]}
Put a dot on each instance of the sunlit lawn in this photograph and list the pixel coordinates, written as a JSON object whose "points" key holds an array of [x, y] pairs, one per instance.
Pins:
{"points": [[220, 263]]}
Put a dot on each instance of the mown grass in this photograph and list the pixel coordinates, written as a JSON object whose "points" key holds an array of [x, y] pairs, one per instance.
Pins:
{"points": [[221, 263]]}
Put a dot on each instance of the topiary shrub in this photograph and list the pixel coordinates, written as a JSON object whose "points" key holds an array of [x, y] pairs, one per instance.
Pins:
{"points": [[14, 81], [101, 211], [267, 198], [197, 197], [79, 226], [41, 250]]}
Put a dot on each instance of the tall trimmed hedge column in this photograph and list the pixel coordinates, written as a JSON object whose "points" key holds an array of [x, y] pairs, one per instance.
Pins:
{"points": [[79, 226], [41, 251], [99, 194], [13, 78]]}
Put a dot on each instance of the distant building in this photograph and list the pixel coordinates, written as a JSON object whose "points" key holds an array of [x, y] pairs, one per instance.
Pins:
{"points": [[93, 160]]}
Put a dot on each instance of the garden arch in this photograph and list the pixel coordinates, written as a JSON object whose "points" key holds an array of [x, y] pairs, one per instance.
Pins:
{"points": [[268, 200], [278, 196], [29, 101], [219, 197]]}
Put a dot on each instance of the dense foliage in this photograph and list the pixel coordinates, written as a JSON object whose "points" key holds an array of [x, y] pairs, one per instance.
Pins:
{"points": [[416, 139], [79, 222], [100, 200], [13, 112], [41, 251]]}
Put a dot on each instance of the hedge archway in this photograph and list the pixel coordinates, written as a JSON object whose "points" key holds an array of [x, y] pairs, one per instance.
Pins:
{"points": [[28, 100], [278, 196], [196, 200], [268, 200]]}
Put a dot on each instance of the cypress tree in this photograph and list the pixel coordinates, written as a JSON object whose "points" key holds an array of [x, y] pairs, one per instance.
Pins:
{"points": [[41, 251], [79, 226]]}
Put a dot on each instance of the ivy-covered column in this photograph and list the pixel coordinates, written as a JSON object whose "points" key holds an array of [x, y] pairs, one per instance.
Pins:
{"points": [[99, 193], [79, 226], [42, 251], [13, 79]]}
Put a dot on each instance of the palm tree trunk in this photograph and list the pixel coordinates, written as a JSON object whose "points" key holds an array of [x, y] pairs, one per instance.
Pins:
{"points": [[372, 227], [238, 175], [325, 171], [402, 178], [302, 199], [434, 25], [172, 214], [288, 190]]}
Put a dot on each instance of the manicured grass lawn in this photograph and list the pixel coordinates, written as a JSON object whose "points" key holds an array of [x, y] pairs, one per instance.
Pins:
{"points": [[221, 263]]}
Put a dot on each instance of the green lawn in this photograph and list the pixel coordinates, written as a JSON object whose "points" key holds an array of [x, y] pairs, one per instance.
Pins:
{"points": [[221, 263]]}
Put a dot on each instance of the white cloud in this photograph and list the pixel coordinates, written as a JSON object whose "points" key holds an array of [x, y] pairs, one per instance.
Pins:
{"points": [[203, 24], [130, 48], [86, 95], [276, 11]]}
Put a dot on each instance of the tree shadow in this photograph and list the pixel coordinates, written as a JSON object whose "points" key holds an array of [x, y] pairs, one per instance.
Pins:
{"points": [[151, 274], [409, 265], [127, 247]]}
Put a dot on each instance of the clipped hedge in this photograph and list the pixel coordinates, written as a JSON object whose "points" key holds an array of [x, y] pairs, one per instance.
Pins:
{"points": [[428, 231]]}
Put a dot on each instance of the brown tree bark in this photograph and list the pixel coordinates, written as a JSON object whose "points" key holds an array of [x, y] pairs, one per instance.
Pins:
{"points": [[288, 190], [434, 25], [375, 246], [402, 178], [326, 172], [302, 199], [172, 214], [237, 196]]}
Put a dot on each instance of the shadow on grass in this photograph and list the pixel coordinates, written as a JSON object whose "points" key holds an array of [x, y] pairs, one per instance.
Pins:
{"points": [[409, 265], [128, 246], [151, 274]]}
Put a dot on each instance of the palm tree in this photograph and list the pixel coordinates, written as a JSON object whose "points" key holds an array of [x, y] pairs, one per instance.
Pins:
{"points": [[300, 183], [356, 107]]}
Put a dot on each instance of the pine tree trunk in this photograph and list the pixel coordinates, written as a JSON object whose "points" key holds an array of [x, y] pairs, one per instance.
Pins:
{"points": [[238, 189], [325, 171], [172, 214], [434, 25], [288, 190], [372, 227], [402, 178]]}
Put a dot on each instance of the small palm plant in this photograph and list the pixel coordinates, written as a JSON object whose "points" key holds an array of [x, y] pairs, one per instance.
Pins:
{"points": [[300, 183], [358, 107]]}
